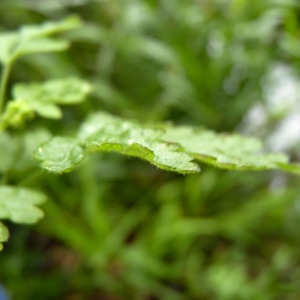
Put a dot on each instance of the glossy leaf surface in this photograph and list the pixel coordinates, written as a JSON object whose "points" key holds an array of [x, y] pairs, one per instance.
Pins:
{"points": [[169, 148], [60, 154]]}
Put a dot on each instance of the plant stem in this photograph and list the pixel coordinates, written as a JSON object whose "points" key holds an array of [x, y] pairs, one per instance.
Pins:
{"points": [[3, 85]]}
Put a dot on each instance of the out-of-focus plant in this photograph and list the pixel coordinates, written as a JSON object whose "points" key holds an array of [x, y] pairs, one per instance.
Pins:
{"points": [[120, 228], [170, 148]]}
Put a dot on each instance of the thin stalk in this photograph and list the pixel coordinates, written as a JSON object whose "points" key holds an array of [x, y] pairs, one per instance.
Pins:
{"points": [[3, 85]]}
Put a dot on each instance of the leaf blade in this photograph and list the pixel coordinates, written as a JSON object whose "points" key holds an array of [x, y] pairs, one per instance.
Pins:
{"points": [[60, 154], [173, 148], [103, 132], [223, 150], [20, 204], [44, 97]]}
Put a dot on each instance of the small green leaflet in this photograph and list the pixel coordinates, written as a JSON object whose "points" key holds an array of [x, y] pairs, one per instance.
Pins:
{"points": [[19, 205], [16, 113], [43, 99], [169, 148], [61, 154], [34, 39]]}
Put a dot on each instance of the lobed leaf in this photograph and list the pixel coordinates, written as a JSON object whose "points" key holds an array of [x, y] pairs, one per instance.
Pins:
{"points": [[224, 150], [44, 97], [16, 113], [33, 39], [103, 132], [60, 154], [19, 204], [169, 148]]}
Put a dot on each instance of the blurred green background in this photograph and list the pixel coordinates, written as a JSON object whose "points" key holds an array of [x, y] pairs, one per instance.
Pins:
{"points": [[118, 228]]}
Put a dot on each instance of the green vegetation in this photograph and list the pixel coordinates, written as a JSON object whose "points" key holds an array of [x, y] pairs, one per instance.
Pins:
{"points": [[173, 83]]}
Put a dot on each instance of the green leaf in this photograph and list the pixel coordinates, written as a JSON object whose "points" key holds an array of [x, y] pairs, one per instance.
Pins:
{"points": [[224, 150], [103, 132], [33, 39], [19, 204], [43, 97], [16, 113], [3, 235], [169, 148], [42, 45], [60, 154]]}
